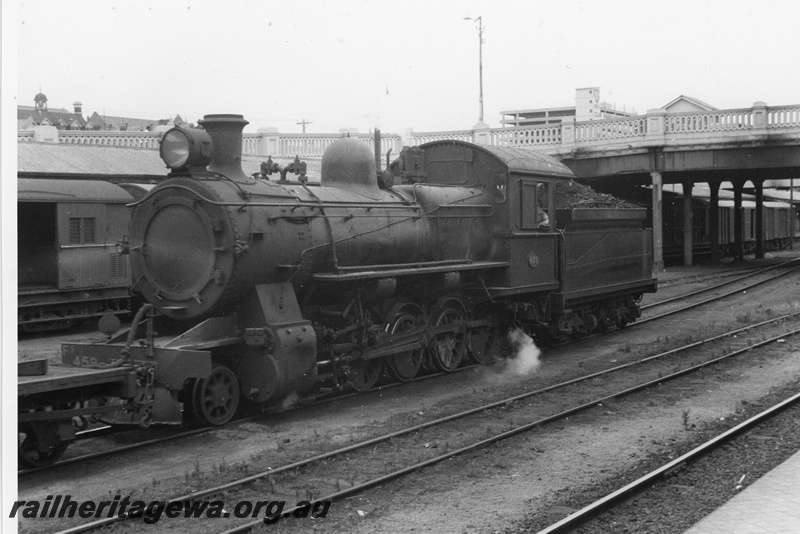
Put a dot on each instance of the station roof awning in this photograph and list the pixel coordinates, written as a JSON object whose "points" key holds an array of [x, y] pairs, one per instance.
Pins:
{"points": [[55, 190]]}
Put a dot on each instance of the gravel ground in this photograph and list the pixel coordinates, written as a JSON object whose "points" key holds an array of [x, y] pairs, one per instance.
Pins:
{"points": [[688, 495], [540, 476]]}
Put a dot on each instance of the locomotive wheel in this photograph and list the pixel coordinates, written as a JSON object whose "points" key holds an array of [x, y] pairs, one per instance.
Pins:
{"points": [[404, 365], [216, 398], [483, 342], [448, 349], [483, 345], [364, 373], [30, 455]]}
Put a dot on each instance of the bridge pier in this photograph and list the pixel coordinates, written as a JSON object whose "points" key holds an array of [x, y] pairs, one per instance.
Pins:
{"points": [[759, 230], [658, 223], [688, 217], [792, 215], [713, 221], [738, 222]]}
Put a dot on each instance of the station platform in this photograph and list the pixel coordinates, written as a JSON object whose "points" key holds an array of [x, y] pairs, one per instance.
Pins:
{"points": [[769, 505]]}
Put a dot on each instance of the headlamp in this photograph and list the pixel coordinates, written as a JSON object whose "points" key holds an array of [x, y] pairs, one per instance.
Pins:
{"points": [[186, 147]]}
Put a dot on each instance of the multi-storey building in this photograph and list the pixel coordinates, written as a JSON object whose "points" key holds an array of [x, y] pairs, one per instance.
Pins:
{"points": [[587, 107]]}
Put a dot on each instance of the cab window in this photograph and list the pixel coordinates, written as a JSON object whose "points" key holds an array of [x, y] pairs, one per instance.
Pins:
{"points": [[500, 187], [533, 205]]}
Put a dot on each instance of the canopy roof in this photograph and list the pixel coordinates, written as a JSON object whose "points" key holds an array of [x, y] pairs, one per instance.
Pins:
{"points": [[55, 190]]}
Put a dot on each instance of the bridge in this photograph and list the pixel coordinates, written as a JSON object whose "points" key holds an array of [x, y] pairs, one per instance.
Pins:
{"points": [[738, 146]]}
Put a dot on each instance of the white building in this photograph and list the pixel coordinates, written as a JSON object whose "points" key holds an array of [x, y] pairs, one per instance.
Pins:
{"points": [[587, 107]]}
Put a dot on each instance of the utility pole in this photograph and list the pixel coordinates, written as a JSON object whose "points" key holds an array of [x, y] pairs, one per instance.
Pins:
{"points": [[304, 122], [479, 22]]}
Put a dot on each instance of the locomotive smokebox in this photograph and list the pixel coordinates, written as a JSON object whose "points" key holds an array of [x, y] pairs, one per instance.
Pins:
{"points": [[226, 133]]}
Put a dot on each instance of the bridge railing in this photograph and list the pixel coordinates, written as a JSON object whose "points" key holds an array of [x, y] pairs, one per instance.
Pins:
{"points": [[119, 139], [528, 137], [270, 142], [592, 131], [428, 137], [783, 117], [656, 128], [709, 121]]}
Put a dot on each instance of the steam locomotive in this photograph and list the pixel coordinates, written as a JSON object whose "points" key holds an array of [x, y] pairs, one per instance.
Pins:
{"points": [[275, 288]]}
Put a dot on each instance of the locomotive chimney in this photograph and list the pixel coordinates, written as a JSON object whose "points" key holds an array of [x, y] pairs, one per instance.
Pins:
{"points": [[226, 134]]}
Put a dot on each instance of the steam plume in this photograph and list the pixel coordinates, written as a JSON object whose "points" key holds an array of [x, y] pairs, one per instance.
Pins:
{"points": [[525, 359], [290, 401]]}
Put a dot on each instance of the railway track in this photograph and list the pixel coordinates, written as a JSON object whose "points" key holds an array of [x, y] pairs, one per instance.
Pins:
{"points": [[732, 276], [285, 480], [791, 265], [647, 481], [104, 431]]}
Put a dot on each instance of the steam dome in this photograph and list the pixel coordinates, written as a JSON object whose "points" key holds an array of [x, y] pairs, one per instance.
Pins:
{"points": [[348, 163]]}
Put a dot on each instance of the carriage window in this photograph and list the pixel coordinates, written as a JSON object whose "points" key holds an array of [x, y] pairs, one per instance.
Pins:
{"points": [[81, 230]]}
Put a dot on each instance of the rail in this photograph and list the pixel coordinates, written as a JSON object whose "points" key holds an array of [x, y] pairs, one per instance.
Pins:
{"points": [[582, 516]]}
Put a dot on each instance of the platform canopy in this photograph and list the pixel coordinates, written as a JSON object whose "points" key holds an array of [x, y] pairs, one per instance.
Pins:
{"points": [[83, 191]]}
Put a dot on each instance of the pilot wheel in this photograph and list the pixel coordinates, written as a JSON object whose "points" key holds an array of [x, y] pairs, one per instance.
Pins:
{"points": [[30, 453], [216, 398]]}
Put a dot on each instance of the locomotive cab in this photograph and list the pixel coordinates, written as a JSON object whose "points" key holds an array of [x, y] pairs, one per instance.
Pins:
{"points": [[518, 188]]}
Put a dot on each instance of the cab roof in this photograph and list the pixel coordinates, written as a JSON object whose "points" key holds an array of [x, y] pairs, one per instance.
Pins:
{"points": [[515, 160]]}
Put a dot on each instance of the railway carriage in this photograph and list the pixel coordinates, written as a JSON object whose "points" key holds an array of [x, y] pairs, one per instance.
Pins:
{"points": [[276, 288], [69, 268], [777, 226]]}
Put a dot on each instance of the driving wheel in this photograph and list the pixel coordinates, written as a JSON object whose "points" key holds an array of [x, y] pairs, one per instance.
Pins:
{"points": [[448, 348], [404, 365]]}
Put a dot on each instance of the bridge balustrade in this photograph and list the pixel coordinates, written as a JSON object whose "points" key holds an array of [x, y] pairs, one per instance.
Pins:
{"points": [[531, 136], [120, 139], [590, 131], [709, 121], [314, 145], [783, 117], [250, 144], [422, 138], [655, 128]]}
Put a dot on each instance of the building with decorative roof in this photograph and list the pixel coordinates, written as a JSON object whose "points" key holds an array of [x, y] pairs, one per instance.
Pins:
{"points": [[128, 124], [40, 114], [687, 103]]}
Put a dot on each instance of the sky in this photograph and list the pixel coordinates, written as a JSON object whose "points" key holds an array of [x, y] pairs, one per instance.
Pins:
{"points": [[397, 65]]}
